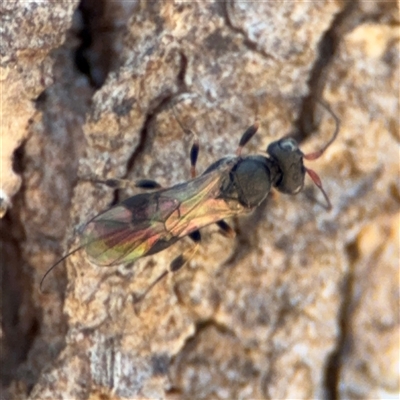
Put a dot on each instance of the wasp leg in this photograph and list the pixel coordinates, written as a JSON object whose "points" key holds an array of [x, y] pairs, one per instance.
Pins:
{"points": [[185, 257], [225, 229], [175, 265], [146, 184], [247, 135], [144, 294], [194, 152]]}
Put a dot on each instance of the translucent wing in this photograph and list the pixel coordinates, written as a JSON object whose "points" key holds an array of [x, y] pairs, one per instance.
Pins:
{"points": [[127, 231], [150, 222]]}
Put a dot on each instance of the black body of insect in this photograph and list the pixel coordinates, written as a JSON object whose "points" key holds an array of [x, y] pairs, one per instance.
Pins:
{"points": [[150, 222]]}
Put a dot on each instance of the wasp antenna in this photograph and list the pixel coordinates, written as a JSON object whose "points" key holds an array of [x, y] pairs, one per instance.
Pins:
{"points": [[316, 179], [317, 154], [247, 135], [55, 265]]}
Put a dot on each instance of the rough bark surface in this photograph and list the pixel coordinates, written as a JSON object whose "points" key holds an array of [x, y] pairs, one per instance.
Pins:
{"points": [[303, 303]]}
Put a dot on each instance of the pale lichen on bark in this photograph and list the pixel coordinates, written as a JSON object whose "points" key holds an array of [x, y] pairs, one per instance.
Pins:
{"points": [[282, 311]]}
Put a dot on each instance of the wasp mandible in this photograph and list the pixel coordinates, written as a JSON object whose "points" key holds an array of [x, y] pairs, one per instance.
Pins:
{"points": [[148, 223]]}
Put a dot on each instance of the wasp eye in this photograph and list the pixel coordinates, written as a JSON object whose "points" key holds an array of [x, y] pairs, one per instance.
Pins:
{"points": [[289, 144]]}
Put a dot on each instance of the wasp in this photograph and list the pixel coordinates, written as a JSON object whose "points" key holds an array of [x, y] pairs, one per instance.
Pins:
{"points": [[148, 223]]}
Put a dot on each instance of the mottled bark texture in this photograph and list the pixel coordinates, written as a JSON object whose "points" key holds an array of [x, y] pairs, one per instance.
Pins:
{"points": [[303, 303]]}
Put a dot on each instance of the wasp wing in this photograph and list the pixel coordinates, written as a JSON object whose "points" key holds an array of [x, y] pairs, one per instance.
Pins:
{"points": [[150, 222], [127, 231]]}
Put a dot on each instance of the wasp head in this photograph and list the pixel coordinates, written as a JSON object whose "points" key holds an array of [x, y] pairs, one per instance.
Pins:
{"points": [[289, 159]]}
